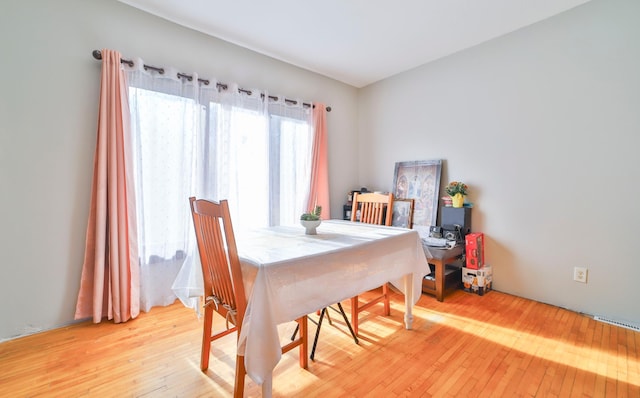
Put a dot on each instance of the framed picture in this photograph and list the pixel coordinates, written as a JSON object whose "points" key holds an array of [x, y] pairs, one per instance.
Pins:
{"points": [[420, 181], [402, 213]]}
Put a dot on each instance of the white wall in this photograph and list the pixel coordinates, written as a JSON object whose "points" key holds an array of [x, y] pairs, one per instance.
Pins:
{"points": [[49, 86], [544, 126]]}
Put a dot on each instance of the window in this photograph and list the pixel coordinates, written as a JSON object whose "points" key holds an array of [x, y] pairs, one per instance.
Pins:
{"points": [[196, 141]]}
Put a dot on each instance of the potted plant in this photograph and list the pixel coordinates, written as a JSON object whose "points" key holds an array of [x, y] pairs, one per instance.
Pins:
{"points": [[310, 221], [457, 190]]}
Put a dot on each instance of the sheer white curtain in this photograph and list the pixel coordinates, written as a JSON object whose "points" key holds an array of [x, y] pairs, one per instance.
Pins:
{"points": [[192, 139], [237, 155], [292, 125], [166, 122], [258, 156]]}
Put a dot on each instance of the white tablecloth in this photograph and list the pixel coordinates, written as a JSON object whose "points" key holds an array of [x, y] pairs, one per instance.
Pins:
{"points": [[289, 274]]}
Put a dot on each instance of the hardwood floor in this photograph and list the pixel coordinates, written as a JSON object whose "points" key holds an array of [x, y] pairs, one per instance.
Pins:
{"points": [[492, 346]]}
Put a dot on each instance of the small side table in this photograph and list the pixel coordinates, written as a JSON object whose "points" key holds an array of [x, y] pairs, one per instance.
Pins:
{"points": [[439, 258]]}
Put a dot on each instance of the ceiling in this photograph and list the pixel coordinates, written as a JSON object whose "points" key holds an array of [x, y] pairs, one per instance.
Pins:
{"points": [[357, 42]]}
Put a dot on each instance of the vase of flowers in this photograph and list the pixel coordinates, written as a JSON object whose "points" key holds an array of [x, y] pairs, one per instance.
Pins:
{"points": [[457, 190], [310, 221]]}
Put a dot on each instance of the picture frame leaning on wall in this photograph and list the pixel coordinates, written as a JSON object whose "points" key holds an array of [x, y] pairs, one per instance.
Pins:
{"points": [[403, 213], [420, 181]]}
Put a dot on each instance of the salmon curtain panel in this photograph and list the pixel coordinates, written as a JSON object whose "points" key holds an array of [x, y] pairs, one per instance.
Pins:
{"points": [[319, 192], [110, 285]]}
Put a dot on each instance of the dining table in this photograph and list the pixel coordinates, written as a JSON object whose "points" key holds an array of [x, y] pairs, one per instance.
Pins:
{"points": [[288, 274]]}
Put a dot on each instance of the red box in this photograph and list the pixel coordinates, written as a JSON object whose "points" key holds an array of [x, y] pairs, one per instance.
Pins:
{"points": [[474, 245]]}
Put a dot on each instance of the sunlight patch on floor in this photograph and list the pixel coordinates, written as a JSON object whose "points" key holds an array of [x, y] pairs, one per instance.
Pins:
{"points": [[590, 359]]}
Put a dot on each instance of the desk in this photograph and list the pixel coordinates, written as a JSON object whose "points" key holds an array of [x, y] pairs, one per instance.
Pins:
{"points": [[288, 274], [439, 257]]}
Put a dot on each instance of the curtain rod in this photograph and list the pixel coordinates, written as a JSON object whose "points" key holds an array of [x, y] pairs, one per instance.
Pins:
{"points": [[98, 55]]}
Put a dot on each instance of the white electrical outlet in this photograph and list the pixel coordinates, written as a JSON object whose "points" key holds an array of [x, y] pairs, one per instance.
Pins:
{"points": [[580, 274]]}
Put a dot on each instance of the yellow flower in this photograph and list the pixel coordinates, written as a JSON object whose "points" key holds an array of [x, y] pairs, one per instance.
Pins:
{"points": [[456, 187]]}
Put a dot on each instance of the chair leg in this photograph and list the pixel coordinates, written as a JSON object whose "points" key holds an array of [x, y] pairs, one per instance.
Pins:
{"points": [[238, 388], [322, 314], [304, 347], [385, 292], [315, 340], [295, 331], [356, 308], [354, 314], [355, 338], [206, 338]]}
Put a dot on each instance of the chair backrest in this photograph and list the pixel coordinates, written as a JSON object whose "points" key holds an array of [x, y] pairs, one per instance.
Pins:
{"points": [[375, 208], [221, 270]]}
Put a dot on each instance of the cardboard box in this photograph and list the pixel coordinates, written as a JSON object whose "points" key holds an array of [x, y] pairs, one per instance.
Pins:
{"points": [[477, 280], [474, 250]]}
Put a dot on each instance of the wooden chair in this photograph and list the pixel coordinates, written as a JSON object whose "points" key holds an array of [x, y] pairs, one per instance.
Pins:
{"points": [[223, 286], [371, 208]]}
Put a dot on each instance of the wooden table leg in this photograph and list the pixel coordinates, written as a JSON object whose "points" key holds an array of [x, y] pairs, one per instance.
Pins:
{"points": [[439, 264], [267, 387], [408, 301]]}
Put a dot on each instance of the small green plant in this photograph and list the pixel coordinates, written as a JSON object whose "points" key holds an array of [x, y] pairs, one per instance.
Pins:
{"points": [[315, 215], [455, 187]]}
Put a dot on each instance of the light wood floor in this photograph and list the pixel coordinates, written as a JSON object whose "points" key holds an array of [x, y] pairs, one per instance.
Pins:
{"points": [[492, 346]]}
